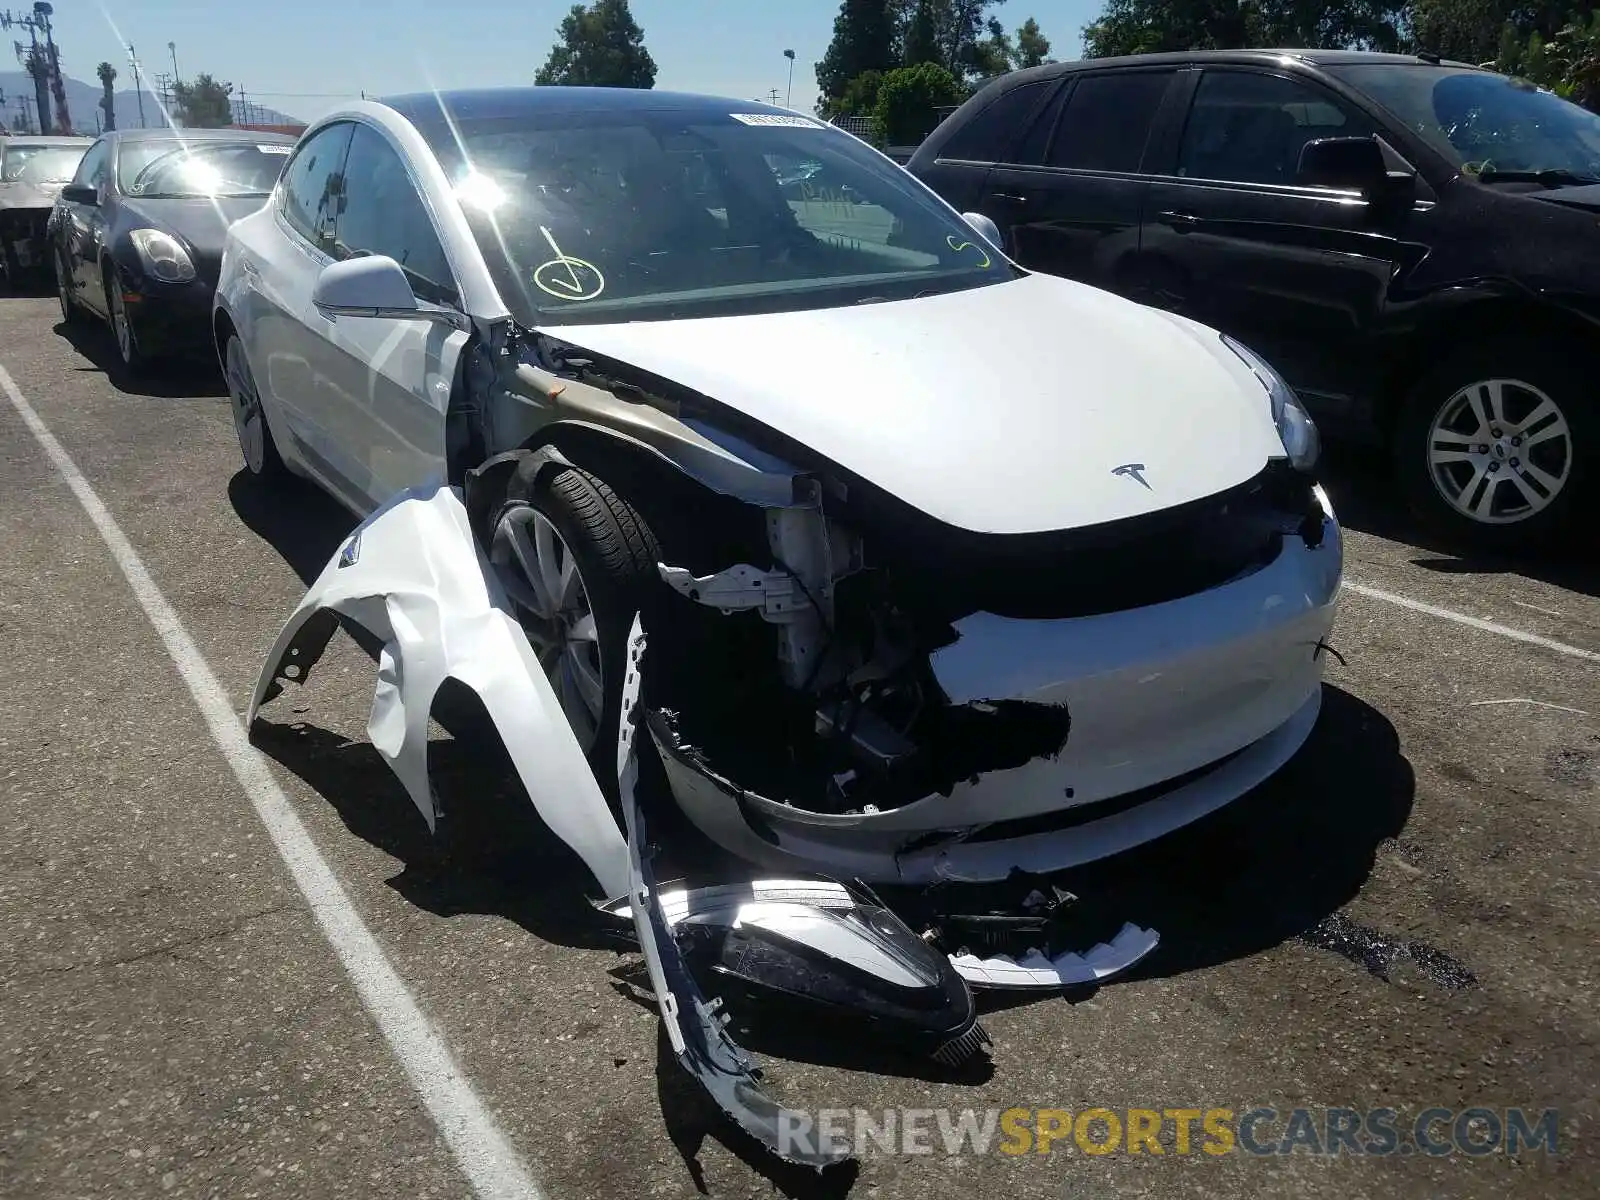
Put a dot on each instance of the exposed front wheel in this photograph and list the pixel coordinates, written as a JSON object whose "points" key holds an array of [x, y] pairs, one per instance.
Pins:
{"points": [[1498, 446], [71, 314], [576, 560]]}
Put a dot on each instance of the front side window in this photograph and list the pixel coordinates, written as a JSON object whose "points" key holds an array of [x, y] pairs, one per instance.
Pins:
{"points": [[39, 164], [651, 213], [382, 213], [1107, 121], [92, 169], [1482, 122], [211, 169], [312, 182], [1246, 127]]}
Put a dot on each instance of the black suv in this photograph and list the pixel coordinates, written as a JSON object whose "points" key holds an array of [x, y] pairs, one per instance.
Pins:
{"points": [[1412, 243]]}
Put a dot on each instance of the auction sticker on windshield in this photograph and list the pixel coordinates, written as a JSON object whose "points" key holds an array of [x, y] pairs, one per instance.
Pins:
{"points": [[274, 149], [785, 122]]}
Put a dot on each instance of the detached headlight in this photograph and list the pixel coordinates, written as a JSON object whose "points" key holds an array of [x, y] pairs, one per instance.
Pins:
{"points": [[1301, 441], [163, 258]]}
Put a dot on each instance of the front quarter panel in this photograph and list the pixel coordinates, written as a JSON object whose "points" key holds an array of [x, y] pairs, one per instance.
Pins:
{"points": [[413, 576]]}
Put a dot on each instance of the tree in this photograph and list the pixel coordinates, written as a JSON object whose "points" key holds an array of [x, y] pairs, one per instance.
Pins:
{"points": [[922, 41], [909, 100], [864, 41], [203, 103], [860, 96], [108, 76], [601, 46], [1033, 48], [1146, 26]]}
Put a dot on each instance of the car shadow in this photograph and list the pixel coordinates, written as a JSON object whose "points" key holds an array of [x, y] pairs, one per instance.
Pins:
{"points": [[301, 522], [1273, 866], [1363, 493], [194, 378], [492, 855]]}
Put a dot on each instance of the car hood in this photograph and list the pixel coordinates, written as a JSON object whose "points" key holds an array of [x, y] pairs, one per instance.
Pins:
{"points": [[1023, 407], [29, 195], [203, 224]]}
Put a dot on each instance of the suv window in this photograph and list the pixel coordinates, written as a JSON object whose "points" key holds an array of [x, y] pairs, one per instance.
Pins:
{"points": [[1108, 120], [311, 185], [382, 213], [1246, 127], [986, 135]]}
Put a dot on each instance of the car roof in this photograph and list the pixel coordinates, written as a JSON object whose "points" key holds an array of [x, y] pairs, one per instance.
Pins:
{"points": [[1318, 58], [500, 103], [34, 139], [170, 134]]}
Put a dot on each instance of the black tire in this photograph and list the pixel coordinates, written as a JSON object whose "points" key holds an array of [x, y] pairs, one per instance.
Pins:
{"points": [[134, 360], [71, 311], [616, 553], [1564, 374], [271, 471]]}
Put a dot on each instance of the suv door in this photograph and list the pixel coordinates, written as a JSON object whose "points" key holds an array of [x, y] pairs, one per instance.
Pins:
{"points": [[392, 378], [1070, 200], [963, 159], [1233, 238]]}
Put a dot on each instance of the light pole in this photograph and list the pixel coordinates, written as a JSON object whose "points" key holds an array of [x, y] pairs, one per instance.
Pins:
{"points": [[789, 95], [172, 49]]}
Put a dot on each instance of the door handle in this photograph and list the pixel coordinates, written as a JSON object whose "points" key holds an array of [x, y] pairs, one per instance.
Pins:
{"points": [[1008, 197], [1180, 221]]}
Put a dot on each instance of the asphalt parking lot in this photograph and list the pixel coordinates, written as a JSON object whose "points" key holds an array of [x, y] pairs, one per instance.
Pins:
{"points": [[1406, 917]]}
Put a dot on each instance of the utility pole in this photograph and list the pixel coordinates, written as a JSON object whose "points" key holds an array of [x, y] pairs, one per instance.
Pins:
{"points": [[35, 58], [133, 61], [163, 84], [773, 93]]}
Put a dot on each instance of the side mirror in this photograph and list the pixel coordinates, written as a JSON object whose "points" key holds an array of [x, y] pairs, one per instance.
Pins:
{"points": [[989, 230], [80, 193], [370, 286], [1354, 163]]}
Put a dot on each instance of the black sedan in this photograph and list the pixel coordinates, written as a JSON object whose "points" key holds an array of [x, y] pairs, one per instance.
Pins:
{"points": [[137, 235]]}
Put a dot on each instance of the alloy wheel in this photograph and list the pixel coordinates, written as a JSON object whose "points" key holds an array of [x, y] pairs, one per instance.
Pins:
{"points": [[1499, 451], [64, 293], [545, 582], [120, 324]]}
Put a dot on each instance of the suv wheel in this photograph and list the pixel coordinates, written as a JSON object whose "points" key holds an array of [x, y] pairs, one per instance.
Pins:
{"points": [[1498, 446]]}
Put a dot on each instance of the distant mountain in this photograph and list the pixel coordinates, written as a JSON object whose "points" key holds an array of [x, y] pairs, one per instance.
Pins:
{"points": [[83, 103]]}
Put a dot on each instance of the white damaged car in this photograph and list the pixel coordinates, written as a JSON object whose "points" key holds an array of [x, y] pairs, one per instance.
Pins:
{"points": [[905, 567]]}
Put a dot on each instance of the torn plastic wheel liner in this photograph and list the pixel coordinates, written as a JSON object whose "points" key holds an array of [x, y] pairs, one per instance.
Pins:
{"points": [[413, 576], [695, 1026]]}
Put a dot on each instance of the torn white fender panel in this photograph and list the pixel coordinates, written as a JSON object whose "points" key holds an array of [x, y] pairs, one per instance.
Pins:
{"points": [[413, 576], [695, 1026]]}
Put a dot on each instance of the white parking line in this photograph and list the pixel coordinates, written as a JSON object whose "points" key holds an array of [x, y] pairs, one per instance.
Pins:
{"points": [[480, 1148], [1505, 631]]}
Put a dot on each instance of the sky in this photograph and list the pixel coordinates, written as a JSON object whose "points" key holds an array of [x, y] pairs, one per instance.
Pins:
{"points": [[303, 57]]}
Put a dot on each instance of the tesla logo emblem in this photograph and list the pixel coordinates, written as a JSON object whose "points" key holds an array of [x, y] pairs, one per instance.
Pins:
{"points": [[1132, 471]]}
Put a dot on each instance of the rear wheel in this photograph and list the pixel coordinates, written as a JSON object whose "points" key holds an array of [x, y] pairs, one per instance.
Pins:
{"points": [[1497, 446], [576, 560], [260, 452]]}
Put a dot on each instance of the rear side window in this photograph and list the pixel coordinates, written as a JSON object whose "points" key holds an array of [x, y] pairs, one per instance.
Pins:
{"points": [[312, 184], [1108, 120], [985, 137]]}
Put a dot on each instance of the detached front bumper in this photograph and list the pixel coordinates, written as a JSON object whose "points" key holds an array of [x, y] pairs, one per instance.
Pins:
{"points": [[22, 234], [1176, 709]]}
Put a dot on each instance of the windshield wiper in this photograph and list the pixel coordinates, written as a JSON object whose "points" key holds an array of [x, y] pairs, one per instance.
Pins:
{"points": [[1549, 177]]}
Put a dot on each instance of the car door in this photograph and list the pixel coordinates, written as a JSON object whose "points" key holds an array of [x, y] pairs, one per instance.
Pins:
{"points": [[392, 377], [1070, 201], [957, 163], [75, 233], [287, 344], [1233, 238]]}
